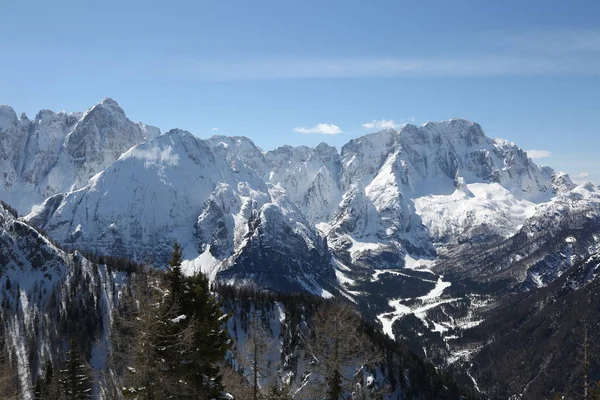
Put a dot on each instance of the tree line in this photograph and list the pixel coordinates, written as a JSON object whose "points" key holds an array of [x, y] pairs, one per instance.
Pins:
{"points": [[169, 340]]}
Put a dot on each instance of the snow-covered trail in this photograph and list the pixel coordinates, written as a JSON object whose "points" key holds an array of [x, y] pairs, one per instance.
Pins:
{"points": [[438, 290], [426, 302]]}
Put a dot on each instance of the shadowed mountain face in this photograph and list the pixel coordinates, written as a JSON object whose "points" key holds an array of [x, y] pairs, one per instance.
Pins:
{"points": [[534, 339], [47, 296]]}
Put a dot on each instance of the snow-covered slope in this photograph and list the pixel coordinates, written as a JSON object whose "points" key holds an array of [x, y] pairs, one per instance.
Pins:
{"points": [[430, 187], [48, 296], [58, 152], [175, 188], [310, 176], [560, 233]]}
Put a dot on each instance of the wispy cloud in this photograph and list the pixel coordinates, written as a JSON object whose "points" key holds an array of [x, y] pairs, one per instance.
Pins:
{"points": [[581, 177], [215, 129], [381, 124], [550, 52], [549, 41], [537, 154], [323, 129]]}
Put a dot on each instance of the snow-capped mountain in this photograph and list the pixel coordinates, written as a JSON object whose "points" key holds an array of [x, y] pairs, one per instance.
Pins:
{"points": [[252, 216], [59, 152], [175, 188], [559, 234], [279, 216]]}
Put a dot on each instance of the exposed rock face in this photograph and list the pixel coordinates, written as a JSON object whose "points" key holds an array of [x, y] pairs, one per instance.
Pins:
{"points": [[59, 152]]}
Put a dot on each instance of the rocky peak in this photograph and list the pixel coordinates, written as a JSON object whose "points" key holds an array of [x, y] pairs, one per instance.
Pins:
{"points": [[240, 148], [8, 118]]}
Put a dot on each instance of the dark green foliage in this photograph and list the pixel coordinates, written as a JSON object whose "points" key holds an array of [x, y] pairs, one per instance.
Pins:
{"points": [[10, 209], [175, 326], [595, 392], [196, 340], [75, 379], [116, 263], [47, 386], [174, 274]]}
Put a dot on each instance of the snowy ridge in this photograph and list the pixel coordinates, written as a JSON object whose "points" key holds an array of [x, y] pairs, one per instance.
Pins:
{"points": [[174, 188], [416, 191], [47, 295], [559, 234], [58, 152]]}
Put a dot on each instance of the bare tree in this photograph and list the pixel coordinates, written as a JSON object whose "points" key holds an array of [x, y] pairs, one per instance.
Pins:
{"points": [[583, 351], [253, 358], [9, 382], [258, 342], [135, 358], [340, 352], [235, 383]]}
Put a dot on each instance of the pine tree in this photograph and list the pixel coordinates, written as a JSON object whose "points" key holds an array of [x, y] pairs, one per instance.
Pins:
{"points": [[175, 275], [75, 380], [138, 354], [47, 386], [176, 327], [202, 341]]}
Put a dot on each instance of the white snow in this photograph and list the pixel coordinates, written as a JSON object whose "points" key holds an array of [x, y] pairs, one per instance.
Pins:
{"points": [[487, 204], [179, 318], [426, 302]]}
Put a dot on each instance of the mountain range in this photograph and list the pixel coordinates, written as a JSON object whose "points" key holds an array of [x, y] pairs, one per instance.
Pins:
{"points": [[424, 228]]}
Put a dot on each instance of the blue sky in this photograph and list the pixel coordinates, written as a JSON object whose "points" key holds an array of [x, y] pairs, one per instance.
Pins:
{"points": [[275, 71]]}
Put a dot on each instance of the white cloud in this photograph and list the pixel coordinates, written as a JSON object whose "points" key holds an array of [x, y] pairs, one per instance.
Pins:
{"points": [[215, 129], [323, 129], [537, 154], [581, 177], [381, 124]]}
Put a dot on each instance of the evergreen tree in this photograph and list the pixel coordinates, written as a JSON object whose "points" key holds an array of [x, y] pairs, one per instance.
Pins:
{"points": [[75, 380], [175, 326], [46, 386], [175, 276], [137, 350], [202, 341]]}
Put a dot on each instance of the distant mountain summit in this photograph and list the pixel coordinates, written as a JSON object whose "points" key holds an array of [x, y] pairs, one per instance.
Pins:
{"points": [[60, 152]]}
